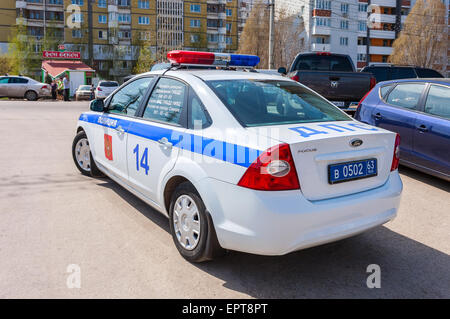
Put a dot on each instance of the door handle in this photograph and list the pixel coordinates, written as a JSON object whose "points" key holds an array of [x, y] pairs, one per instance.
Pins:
{"points": [[378, 116], [422, 128], [120, 130], [165, 142]]}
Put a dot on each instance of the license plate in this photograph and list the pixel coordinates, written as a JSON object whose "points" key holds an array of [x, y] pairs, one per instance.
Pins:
{"points": [[343, 172], [339, 103]]}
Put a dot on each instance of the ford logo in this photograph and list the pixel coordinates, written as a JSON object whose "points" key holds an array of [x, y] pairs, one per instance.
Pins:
{"points": [[356, 142]]}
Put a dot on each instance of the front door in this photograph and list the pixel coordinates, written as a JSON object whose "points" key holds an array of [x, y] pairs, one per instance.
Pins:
{"points": [[432, 134], [111, 133], [152, 142]]}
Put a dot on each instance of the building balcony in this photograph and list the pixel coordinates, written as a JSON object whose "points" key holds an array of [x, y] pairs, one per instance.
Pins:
{"points": [[321, 30], [21, 4], [222, 30], [375, 50], [320, 47]]}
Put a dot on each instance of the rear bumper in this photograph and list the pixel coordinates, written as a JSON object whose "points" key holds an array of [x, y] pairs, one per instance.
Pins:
{"points": [[276, 223]]}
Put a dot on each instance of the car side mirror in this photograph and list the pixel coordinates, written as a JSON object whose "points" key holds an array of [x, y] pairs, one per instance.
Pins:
{"points": [[282, 70], [97, 105]]}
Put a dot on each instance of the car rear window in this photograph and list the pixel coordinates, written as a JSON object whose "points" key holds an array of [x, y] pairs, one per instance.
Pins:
{"points": [[381, 74], [109, 84], [274, 102], [402, 73], [323, 63], [85, 87], [428, 73]]}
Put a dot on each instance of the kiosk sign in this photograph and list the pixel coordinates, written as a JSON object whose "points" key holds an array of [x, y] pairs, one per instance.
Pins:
{"points": [[61, 55]]}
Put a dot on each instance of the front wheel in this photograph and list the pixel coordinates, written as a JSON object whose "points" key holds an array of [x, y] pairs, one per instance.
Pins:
{"points": [[191, 226], [81, 153]]}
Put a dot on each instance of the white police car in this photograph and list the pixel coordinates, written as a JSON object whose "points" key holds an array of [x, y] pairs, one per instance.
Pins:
{"points": [[240, 160]]}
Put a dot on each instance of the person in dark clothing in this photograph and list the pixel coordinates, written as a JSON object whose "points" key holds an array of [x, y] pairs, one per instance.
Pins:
{"points": [[54, 89]]}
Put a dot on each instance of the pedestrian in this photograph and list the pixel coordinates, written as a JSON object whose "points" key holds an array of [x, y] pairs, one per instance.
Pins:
{"points": [[60, 88], [54, 89], [66, 84], [92, 92]]}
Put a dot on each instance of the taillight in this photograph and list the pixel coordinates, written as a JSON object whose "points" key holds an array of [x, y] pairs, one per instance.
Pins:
{"points": [[295, 78], [373, 82], [273, 170], [359, 104], [396, 156], [44, 87], [99, 89]]}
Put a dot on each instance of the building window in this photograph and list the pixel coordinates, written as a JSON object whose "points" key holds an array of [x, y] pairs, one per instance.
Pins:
{"points": [[144, 4], [361, 57], [124, 34], [229, 12], [76, 33], [344, 7], [344, 24], [318, 21], [78, 2], [144, 35], [229, 40], [102, 3], [323, 5], [124, 3], [362, 26], [144, 20], [343, 41], [195, 23], [102, 35], [101, 18], [362, 7], [77, 18], [195, 38], [228, 25], [195, 8], [124, 17], [213, 37], [56, 1]]}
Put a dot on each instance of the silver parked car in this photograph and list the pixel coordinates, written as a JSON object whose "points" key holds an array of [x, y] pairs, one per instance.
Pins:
{"points": [[84, 92], [105, 88], [23, 87]]}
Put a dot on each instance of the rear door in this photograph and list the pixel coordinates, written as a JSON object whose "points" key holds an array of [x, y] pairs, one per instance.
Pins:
{"points": [[397, 112], [17, 86], [111, 131], [152, 147], [432, 134]]}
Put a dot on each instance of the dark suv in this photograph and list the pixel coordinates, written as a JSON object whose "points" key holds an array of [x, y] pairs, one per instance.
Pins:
{"points": [[395, 72]]}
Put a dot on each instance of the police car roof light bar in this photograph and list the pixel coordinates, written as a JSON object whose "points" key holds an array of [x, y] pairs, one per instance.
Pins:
{"points": [[212, 59]]}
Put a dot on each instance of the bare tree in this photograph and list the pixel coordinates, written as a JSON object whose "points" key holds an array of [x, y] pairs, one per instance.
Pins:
{"points": [[255, 37], [424, 38]]}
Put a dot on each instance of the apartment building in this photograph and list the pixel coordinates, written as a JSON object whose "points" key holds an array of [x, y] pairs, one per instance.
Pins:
{"points": [[120, 27], [341, 26]]}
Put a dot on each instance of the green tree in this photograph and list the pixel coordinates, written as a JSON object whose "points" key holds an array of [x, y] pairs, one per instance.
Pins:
{"points": [[23, 51], [5, 64], [424, 38], [144, 59]]}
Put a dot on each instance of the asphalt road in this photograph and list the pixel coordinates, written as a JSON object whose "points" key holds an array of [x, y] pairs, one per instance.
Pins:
{"points": [[51, 216]]}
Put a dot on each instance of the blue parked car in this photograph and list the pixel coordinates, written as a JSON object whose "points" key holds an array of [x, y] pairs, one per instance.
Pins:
{"points": [[419, 110]]}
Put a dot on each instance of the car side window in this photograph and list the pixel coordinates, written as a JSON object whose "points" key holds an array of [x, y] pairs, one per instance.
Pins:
{"points": [[385, 89], [126, 101], [406, 95], [4, 80], [18, 80], [166, 102], [438, 101], [198, 116], [402, 73], [380, 73]]}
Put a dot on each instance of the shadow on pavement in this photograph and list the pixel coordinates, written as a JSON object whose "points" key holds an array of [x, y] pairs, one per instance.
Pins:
{"points": [[409, 269], [425, 178]]}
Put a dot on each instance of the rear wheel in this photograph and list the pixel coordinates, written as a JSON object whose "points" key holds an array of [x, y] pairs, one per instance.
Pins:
{"points": [[191, 225], [31, 96], [82, 156]]}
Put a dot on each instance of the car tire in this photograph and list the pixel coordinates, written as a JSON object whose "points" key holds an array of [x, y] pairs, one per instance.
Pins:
{"points": [[182, 221], [82, 156], [31, 95]]}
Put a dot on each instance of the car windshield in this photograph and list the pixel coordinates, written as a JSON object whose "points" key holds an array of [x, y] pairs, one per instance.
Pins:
{"points": [[84, 87], [274, 102], [109, 84]]}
